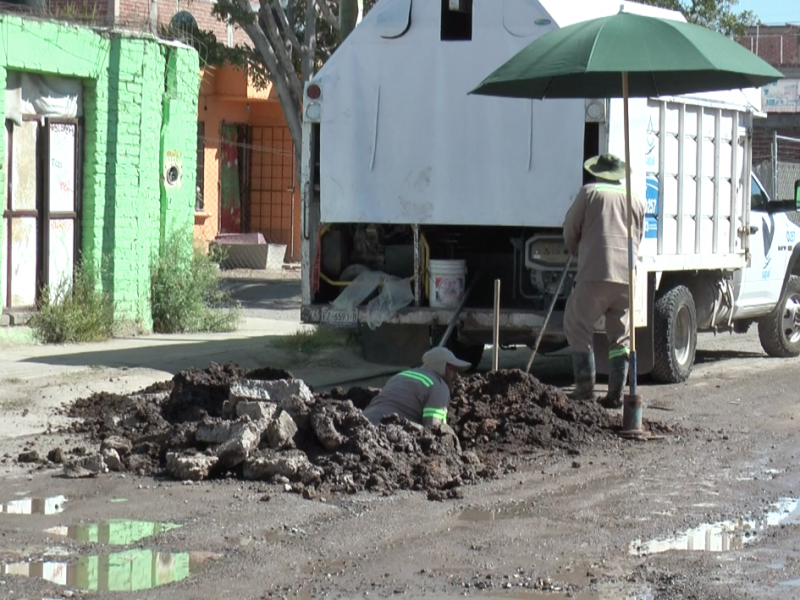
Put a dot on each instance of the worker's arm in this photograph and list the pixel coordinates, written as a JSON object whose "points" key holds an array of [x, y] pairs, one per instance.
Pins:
{"points": [[640, 219], [573, 222], [435, 410]]}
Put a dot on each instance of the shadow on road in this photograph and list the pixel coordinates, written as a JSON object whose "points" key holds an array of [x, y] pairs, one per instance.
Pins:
{"points": [[714, 356], [263, 294]]}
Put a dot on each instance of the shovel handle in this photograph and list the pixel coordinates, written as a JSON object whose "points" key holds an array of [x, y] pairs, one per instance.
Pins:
{"points": [[549, 312]]}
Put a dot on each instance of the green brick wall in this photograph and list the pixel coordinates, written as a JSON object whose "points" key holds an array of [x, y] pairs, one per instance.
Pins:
{"points": [[140, 111]]}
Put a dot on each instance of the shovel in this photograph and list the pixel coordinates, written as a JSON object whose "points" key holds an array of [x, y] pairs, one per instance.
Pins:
{"points": [[549, 312]]}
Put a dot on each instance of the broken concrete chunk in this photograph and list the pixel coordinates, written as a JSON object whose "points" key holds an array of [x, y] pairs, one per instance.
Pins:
{"points": [[239, 446], [257, 411], [193, 468], [86, 466], [248, 390], [119, 444], [112, 460], [212, 431], [283, 389], [325, 430], [286, 464], [281, 431]]}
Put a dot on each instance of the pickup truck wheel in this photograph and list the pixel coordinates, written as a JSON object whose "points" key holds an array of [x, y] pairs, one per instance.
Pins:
{"points": [[675, 335], [779, 332]]}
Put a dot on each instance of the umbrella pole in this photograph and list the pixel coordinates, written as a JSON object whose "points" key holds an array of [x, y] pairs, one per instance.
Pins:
{"points": [[632, 405]]}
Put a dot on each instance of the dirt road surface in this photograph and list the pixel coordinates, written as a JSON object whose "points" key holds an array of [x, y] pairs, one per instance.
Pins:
{"points": [[710, 512]]}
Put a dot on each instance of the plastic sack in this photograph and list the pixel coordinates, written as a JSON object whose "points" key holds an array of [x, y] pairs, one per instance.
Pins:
{"points": [[395, 294], [359, 290]]}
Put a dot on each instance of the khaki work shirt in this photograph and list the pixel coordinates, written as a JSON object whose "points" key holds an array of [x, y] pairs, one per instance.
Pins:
{"points": [[596, 231]]}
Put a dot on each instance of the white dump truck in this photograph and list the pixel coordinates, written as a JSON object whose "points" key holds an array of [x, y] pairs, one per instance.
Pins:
{"points": [[416, 193]]}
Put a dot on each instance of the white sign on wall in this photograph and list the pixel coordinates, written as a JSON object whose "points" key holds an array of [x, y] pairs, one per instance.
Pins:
{"points": [[781, 96]]}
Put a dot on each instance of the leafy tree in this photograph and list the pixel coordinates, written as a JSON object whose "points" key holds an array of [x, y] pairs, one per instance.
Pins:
{"points": [[720, 15], [289, 41]]}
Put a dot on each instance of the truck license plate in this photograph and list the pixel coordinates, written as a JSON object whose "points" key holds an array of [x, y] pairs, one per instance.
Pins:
{"points": [[340, 318]]}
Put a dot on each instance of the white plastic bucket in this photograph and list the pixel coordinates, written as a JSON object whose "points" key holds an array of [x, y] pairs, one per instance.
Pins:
{"points": [[446, 282]]}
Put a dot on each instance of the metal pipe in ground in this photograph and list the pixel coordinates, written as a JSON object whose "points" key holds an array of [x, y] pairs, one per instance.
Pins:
{"points": [[496, 332]]}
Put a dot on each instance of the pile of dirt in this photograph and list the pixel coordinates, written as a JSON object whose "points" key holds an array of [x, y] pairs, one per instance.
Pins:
{"points": [[511, 412], [218, 421], [265, 425]]}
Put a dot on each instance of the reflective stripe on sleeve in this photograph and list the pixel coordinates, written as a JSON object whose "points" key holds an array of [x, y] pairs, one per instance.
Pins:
{"points": [[435, 413]]}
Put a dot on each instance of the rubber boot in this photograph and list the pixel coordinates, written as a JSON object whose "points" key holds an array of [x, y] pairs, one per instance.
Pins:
{"points": [[617, 376], [583, 367]]}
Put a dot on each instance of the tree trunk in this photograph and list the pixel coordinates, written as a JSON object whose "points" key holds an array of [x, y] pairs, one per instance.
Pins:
{"points": [[348, 16]]}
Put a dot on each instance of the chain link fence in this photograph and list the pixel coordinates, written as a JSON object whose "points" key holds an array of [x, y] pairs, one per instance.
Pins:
{"points": [[782, 169], [247, 207]]}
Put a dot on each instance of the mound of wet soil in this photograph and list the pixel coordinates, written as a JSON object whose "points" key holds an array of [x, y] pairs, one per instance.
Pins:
{"points": [[512, 412], [265, 425]]}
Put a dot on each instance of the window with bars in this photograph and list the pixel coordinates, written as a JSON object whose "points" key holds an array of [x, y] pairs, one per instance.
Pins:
{"points": [[199, 203]]}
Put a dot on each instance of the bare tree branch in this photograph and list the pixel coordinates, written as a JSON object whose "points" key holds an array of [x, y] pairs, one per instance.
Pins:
{"points": [[289, 101], [310, 46], [287, 26], [327, 14], [281, 51]]}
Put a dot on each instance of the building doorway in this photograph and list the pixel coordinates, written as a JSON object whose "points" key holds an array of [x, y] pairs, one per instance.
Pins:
{"points": [[41, 216]]}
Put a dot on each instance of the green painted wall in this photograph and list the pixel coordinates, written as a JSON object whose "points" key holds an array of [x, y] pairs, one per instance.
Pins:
{"points": [[140, 114]]}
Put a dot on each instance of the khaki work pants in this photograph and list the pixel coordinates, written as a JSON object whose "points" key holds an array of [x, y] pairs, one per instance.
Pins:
{"points": [[589, 301]]}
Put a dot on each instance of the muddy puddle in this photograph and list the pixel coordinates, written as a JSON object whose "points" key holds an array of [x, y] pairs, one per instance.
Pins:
{"points": [[115, 532], [34, 506], [722, 536], [128, 571]]}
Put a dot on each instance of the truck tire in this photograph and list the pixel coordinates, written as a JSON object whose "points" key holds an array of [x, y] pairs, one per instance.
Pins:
{"points": [[675, 335], [779, 332]]}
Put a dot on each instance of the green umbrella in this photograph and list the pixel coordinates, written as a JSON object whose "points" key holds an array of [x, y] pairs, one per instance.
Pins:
{"points": [[627, 55]]}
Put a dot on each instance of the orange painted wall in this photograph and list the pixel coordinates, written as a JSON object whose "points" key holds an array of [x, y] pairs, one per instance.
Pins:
{"points": [[274, 203]]}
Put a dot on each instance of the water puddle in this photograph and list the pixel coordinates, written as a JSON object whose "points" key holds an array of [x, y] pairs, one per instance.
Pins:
{"points": [[723, 536], [34, 506], [791, 583], [129, 571], [116, 532]]}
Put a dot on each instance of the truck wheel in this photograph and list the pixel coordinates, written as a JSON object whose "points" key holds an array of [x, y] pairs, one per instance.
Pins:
{"points": [[675, 335], [779, 332]]}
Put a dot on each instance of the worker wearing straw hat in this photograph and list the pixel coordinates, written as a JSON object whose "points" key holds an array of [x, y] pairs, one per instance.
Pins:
{"points": [[595, 229]]}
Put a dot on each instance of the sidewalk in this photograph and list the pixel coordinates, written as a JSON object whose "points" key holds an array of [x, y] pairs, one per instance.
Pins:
{"points": [[164, 355]]}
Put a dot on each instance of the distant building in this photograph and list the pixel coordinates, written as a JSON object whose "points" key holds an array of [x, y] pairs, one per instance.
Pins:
{"points": [[245, 155], [779, 45]]}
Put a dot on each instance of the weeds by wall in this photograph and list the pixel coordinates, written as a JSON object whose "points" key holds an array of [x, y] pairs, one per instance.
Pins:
{"points": [[75, 311], [186, 295]]}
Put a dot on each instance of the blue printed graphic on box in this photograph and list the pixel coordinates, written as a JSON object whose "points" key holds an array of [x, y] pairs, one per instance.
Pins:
{"points": [[650, 153], [790, 237], [651, 208]]}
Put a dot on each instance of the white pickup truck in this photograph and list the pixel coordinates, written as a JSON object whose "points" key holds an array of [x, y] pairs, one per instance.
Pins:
{"points": [[401, 167]]}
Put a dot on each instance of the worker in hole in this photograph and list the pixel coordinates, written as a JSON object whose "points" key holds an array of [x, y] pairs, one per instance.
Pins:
{"points": [[596, 231], [421, 395]]}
